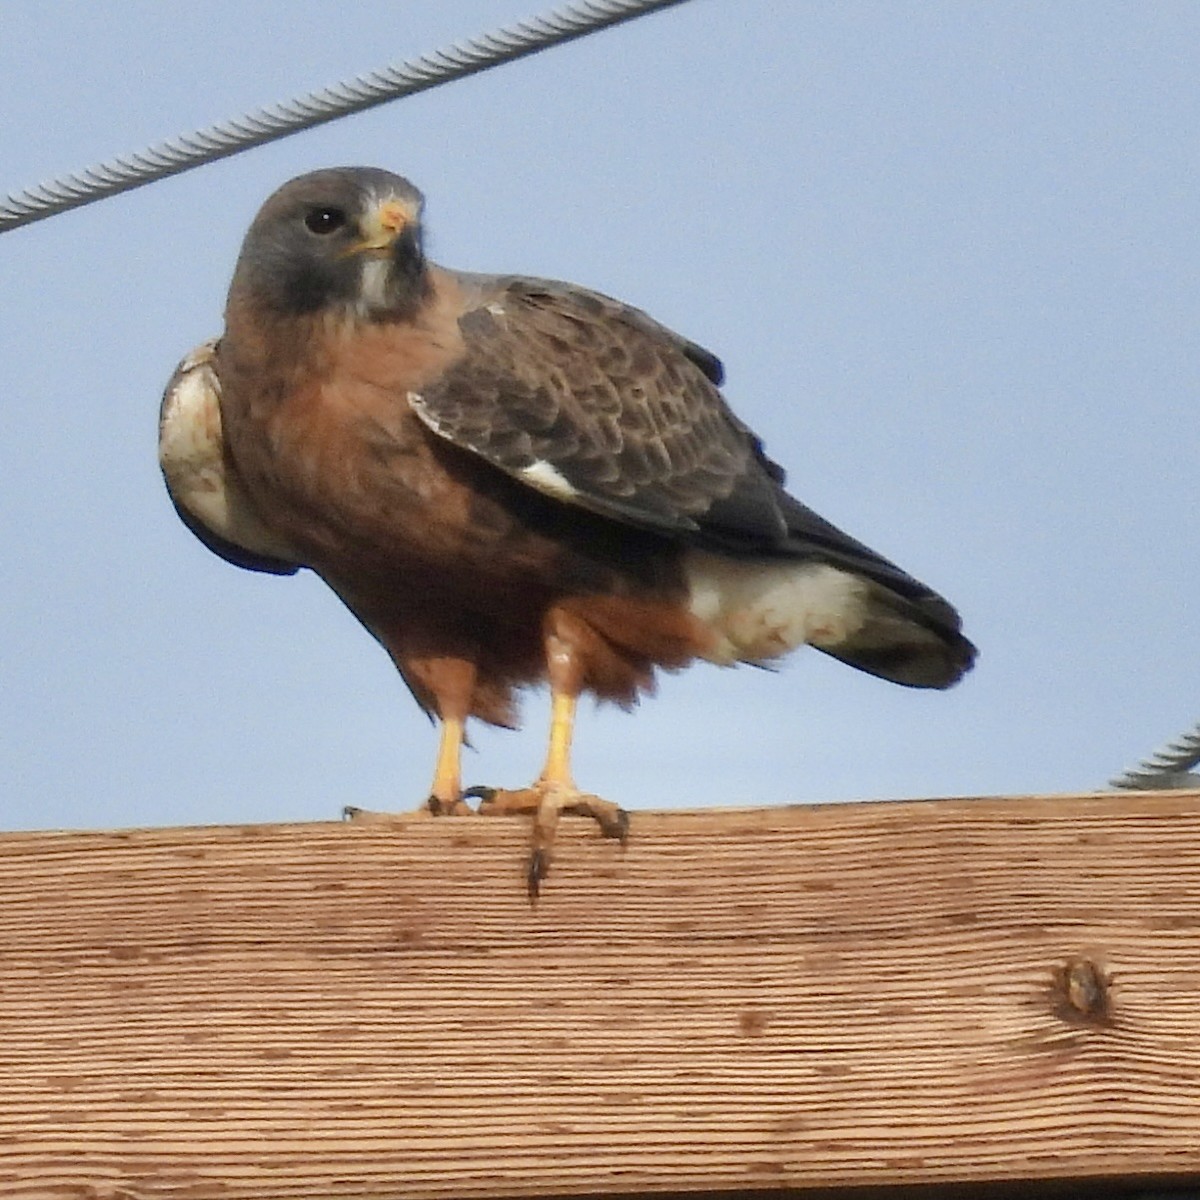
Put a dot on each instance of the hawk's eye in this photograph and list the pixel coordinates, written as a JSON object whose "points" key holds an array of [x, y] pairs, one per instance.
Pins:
{"points": [[324, 220]]}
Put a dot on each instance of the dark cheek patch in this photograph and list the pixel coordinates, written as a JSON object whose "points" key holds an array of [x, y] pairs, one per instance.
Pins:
{"points": [[306, 291]]}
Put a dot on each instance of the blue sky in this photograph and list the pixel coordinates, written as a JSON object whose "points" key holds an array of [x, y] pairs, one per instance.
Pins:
{"points": [[947, 252]]}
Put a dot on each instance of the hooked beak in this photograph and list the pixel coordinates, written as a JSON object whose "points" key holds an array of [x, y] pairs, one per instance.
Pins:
{"points": [[382, 225]]}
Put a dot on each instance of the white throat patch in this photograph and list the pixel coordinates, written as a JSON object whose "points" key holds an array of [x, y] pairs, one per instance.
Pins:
{"points": [[372, 285]]}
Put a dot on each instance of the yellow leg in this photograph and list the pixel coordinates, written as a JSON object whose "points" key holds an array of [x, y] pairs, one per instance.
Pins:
{"points": [[447, 778], [553, 794], [445, 796], [562, 726]]}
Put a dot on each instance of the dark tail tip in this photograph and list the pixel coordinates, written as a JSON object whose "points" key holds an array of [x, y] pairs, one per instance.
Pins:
{"points": [[915, 644]]}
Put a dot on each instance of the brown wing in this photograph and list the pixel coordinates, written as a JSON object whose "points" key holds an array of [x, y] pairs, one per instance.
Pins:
{"points": [[595, 404]]}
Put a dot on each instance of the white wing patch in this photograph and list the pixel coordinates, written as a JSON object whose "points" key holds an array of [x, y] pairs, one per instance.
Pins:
{"points": [[549, 479], [760, 610], [191, 452], [544, 476], [417, 403], [190, 438]]}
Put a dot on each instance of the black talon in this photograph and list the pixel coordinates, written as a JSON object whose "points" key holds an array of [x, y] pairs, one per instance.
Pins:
{"points": [[621, 825], [485, 795], [615, 826], [448, 808], [537, 870]]}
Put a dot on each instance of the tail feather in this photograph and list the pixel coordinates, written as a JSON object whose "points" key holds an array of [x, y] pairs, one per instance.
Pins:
{"points": [[911, 635], [757, 609], [917, 643]]}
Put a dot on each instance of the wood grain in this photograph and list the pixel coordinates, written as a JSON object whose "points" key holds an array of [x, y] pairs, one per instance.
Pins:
{"points": [[809, 997]]}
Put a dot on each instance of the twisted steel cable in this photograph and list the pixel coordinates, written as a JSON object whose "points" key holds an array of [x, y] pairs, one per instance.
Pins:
{"points": [[350, 96], [1169, 767]]}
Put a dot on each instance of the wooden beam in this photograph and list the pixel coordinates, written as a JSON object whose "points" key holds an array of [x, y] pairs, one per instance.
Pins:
{"points": [[965, 991]]}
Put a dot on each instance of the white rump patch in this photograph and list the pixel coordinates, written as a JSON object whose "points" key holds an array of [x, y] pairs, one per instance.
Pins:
{"points": [[549, 479], [759, 609]]}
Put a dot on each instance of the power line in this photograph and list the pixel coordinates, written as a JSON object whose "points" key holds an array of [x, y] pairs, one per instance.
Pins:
{"points": [[1169, 767], [315, 108]]}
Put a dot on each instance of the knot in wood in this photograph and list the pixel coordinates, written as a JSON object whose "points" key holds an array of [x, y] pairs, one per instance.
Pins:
{"points": [[1083, 987]]}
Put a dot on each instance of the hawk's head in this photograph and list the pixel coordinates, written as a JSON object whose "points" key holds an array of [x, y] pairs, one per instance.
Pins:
{"points": [[347, 238]]}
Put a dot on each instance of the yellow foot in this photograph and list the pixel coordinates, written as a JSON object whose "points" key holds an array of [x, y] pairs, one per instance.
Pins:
{"points": [[431, 807], [547, 802], [457, 807]]}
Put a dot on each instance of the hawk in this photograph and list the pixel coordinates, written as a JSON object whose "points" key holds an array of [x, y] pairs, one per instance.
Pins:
{"points": [[508, 481]]}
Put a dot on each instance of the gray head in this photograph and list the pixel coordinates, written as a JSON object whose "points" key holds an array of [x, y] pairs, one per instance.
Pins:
{"points": [[347, 238]]}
